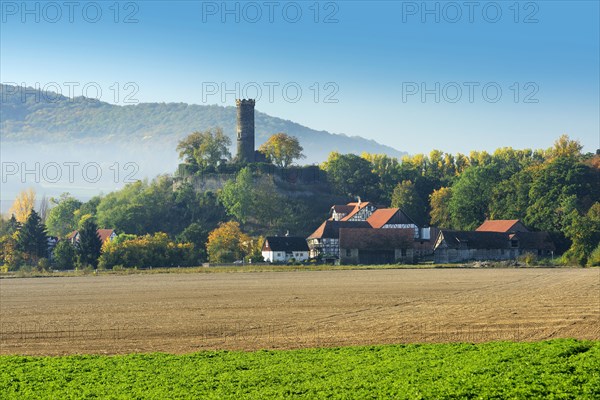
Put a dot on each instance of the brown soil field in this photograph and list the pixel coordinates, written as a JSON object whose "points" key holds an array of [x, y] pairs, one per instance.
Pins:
{"points": [[181, 313]]}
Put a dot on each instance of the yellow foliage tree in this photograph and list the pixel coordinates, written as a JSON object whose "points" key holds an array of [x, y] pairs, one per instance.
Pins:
{"points": [[23, 204], [227, 243], [282, 149]]}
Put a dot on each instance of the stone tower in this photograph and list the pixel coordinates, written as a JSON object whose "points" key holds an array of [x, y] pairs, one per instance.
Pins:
{"points": [[245, 130]]}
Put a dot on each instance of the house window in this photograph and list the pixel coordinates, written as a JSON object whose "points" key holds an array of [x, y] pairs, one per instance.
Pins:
{"points": [[348, 252], [514, 244], [403, 252]]}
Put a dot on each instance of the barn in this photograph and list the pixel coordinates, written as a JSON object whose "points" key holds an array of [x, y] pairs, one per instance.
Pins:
{"points": [[376, 246]]}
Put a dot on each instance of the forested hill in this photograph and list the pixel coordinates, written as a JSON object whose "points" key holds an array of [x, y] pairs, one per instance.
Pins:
{"points": [[47, 116]]}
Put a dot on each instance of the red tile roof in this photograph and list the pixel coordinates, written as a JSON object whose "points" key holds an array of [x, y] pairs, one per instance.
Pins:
{"points": [[382, 216], [103, 233], [502, 225]]}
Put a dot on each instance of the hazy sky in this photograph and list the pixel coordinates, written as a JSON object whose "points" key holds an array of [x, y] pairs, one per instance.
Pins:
{"points": [[414, 75]]}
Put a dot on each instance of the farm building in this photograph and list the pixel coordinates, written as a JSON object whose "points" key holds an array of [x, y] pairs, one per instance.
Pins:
{"points": [[502, 225], [284, 248], [325, 241], [104, 234], [459, 246], [376, 246]]}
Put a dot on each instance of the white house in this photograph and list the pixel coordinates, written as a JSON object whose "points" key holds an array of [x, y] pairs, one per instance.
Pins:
{"points": [[284, 248]]}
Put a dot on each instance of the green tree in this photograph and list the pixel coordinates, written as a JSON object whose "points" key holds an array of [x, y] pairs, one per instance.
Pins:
{"points": [[584, 233], [89, 246], [9, 226], [238, 195], [387, 170], [64, 255], [406, 198], [439, 202], [205, 149], [32, 239], [282, 149], [351, 175], [560, 185], [62, 218], [471, 196], [510, 198], [254, 199], [196, 234]]}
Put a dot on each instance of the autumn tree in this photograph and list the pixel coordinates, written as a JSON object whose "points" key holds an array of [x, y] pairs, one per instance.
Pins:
{"points": [[205, 149], [565, 147], [439, 201], [227, 243], [282, 149], [23, 204]]}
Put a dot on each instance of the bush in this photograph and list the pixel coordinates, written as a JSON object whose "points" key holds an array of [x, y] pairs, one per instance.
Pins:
{"points": [[43, 264], [528, 258], [147, 251], [594, 259]]}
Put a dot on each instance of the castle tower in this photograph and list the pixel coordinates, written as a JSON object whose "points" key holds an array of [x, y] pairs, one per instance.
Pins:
{"points": [[245, 130]]}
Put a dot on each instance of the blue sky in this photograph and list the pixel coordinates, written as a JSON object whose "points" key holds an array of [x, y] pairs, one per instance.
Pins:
{"points": [[372, 59]]}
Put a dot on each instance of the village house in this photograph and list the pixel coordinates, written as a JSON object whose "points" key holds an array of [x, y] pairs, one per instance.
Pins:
{"points": [[364, 219], [284, 249], [104, 234], [493, 240]]}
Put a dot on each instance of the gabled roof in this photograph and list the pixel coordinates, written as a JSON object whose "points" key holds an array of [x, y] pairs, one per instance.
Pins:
{"points": [[375, 239], [383, 216], [357, 208], [502, 225], [475, 240], [103, 233], [533, 240], [285, 243], [331, 229], [343, 208]]}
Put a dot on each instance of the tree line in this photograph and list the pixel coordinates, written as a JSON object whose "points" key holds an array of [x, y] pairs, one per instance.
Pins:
{"points": [[166, 222]]}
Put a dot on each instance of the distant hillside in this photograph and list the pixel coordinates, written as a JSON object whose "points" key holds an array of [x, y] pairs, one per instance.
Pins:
{"points": [[55, 118]]}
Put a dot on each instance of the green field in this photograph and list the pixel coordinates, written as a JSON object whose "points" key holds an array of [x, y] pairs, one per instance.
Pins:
{"points": [[554, 369]]}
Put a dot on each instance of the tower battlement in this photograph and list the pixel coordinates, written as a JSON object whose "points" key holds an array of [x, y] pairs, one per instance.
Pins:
{"points": [[250, 102], [245, 130]]}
